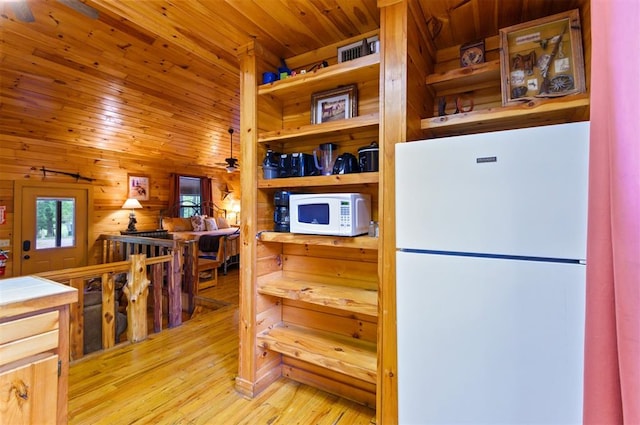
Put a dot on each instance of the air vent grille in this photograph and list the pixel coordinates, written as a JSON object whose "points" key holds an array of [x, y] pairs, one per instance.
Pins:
{"points": [[360, 48]]}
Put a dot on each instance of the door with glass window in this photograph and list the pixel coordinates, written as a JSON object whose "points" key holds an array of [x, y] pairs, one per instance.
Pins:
{"points": [[53, 228]]}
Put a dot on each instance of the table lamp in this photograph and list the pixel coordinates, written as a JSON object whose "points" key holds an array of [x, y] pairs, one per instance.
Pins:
{"points": [[236, 210], [132, 204]]}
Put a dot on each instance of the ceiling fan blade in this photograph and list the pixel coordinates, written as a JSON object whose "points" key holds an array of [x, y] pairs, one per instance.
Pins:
{"points": [[22, 11], [80, 7]]}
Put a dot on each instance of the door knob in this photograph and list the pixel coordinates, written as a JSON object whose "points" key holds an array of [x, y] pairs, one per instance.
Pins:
{"points": [[26, 257]]}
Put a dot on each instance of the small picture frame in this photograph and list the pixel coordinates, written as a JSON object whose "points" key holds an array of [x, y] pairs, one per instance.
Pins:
{"points": [[542, 58], [138, 188], [335, 104]]}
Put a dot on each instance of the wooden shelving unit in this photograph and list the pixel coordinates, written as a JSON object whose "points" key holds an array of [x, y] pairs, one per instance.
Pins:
{"points": [[472, 77], [349, 356], [314, 299], [359, 242], [361, 69], [327, 129], [349, 298], [531, 112], [319, 181]]}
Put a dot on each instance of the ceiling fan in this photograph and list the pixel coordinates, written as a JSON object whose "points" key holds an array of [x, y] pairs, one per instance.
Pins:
{"points": [[231, 163], [23, 12]]}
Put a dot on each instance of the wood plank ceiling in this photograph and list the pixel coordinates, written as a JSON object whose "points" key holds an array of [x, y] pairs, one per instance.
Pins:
{"points": [[158, 78]]}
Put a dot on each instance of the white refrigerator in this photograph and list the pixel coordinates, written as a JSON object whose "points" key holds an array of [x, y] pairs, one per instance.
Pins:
{"points": [[491, 248]]}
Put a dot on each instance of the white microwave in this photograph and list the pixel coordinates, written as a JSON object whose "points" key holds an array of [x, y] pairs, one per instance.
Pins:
{"points": [[338, 214]]}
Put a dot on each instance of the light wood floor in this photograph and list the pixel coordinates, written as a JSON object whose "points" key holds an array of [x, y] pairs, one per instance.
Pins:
{"points": [[186, 375]]}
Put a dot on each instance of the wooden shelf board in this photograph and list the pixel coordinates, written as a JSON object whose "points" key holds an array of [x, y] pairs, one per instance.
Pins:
{"points": [[533, 112], [361, 69], [319, 181], [350, 356], [325, 129], [359, 242], [348, 298], [470, 76]]}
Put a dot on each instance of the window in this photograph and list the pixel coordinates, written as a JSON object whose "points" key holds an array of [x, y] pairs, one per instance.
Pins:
{"points": [[189, 196], [54, 225]]}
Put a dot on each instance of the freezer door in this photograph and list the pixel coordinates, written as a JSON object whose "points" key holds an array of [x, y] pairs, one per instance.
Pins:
{"points": [[489, 341], [519, 192]]}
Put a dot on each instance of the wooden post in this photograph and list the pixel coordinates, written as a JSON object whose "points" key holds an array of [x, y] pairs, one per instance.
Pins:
{"points": [[76, 324], [109, 312], [190, 273], [174, 292], [137, 290], [156, 271]]}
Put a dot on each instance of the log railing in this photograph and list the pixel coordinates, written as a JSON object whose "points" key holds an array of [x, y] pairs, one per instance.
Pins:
{"points": [[183, 267], [164, 266], [136, 290]]}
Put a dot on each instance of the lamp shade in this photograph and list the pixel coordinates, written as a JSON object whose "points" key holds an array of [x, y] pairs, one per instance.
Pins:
{"points": [[131, 204]]}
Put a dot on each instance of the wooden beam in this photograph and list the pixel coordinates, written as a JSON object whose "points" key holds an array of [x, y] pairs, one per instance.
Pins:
{"points": [[393, 126]]}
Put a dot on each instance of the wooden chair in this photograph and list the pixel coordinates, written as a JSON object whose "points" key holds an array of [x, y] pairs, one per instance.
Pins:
{"points": [[206, 262], [227, 249], [207, 265]]}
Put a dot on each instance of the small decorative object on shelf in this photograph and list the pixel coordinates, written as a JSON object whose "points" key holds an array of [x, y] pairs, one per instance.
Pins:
{"points": [[542, 58], [335, 104], [463, 103], [472, 53]]}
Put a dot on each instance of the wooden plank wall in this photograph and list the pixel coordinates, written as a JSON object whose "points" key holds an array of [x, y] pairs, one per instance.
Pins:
{"points": [[23, 159]]}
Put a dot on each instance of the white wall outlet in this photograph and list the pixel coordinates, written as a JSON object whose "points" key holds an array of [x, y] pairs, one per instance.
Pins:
{"points": [[4, 242]]}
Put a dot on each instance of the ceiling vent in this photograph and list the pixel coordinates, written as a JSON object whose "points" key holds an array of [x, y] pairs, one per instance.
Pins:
{"points": [[360, 48]]}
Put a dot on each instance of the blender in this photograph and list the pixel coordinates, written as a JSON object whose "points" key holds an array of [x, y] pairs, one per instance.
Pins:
{"points": [[325, 163]]}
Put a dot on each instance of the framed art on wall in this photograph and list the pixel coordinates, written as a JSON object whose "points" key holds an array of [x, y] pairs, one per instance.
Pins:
{"points": [[138, 188], [542, 58], [335, 104]]}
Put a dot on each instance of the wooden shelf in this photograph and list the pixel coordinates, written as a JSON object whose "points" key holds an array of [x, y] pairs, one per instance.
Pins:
{"points": [[325, 129], [470, 78], [359, 242], [357, 70], [319, 181], [527, 114], [350, 356], [348, 298]]}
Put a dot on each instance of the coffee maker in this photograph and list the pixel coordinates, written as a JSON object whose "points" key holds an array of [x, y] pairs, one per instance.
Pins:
{"points": [[281, 211]]}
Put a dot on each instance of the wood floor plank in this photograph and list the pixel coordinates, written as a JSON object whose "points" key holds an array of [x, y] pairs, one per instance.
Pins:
{"points": [[186, 375]]}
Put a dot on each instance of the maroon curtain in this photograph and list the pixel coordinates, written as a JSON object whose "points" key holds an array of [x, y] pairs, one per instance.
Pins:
{"points": [[612, 339], [206, 191], [174, 193]]}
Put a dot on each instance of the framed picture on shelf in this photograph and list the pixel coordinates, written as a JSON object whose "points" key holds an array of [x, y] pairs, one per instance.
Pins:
{"points": [[335, 104], [138, 188], [542, 58]]}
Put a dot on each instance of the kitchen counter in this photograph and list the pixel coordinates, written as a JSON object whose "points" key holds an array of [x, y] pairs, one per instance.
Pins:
{"points": [[25, 294]]}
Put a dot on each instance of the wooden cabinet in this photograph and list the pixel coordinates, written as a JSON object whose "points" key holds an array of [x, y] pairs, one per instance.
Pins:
{"points": [[310, 306], [34, 350]]}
